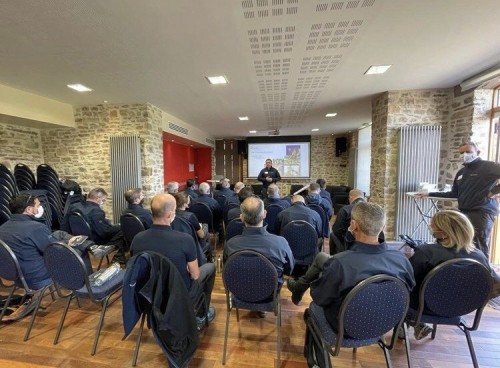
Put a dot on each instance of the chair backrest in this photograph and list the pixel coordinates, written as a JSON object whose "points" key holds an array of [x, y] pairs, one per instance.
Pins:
{"points": [[455, 288], [221, 200], [302, 238], [325, 224], [184, 226], [78, 225], [234, 227], [66, 267], [9, 266], [373, 307], [250, 277], [272, 212], [130, 225], [203, 214]]}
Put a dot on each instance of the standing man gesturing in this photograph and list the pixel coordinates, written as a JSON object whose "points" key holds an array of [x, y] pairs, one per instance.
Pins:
{"points": [[268, 175]]}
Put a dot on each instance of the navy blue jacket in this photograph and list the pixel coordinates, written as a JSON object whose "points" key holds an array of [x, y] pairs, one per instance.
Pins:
{"points": [[279, 201], [143, 214], [272, 173], [299, 211]]}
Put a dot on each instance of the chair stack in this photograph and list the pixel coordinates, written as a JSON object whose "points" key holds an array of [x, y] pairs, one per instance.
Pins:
{"points": [[8, 189], [25, 179], [48, 180]]}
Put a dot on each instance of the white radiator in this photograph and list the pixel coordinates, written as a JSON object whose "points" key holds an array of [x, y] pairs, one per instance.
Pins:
{"points": [[125, 170], [418, 161]]}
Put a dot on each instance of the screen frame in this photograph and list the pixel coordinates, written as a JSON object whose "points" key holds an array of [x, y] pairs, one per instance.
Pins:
{"points": [[280, 139]]}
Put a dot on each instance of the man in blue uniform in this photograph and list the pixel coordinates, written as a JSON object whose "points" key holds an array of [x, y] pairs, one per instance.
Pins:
{"points": [[135, 200], [268, 175]]}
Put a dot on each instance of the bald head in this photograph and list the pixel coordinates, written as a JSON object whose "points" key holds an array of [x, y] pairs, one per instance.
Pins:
{"points": [[163, 208], [298, 198], [204, 188], [252, 211]]}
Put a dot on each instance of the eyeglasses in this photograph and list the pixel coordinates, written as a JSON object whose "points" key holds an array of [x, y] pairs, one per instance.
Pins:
{"points": [[29, 200]]}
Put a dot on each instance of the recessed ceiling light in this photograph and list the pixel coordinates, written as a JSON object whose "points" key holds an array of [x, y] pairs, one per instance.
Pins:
{"points": [[314, 130], [377, 69], [79, 87], [252, 131], [242, 118], [219, 79], [105, 101], [331, 114]]}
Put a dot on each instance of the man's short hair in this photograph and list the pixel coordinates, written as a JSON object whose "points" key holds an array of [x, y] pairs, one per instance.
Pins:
{"points": [[189, 183], [356, 193], [244, 194], [132, 195], [252, 211], [181, 199], [225, 183], [172, 187], [239, 186], [161, 204], [298, 198], [18, 204], [97, 193], [314, 187], [469, 144], [322, 183], [204, 188], [370, 217], [273, 190]]}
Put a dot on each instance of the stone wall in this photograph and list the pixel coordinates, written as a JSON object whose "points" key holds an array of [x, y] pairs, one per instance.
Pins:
{"points": [[20, 145], [391, 111], [83, 154]]}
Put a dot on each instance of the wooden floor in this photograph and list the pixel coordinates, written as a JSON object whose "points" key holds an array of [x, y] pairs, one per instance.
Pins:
{"points": [[252, 342]]}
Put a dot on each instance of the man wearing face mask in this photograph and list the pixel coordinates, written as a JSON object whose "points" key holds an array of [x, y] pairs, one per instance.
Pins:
{"points": [[135, 200], [331, 277], [475, 187]]}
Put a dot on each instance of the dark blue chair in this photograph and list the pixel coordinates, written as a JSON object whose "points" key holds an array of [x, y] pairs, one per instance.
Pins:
{"points": [[272, 212], [205, 216], [11, 271], [184, 226], [226, 208], [235, 227], [451, 290], [371, 309], [68, 270], [221, 200], [251, 282], [303, 240], [325, 222], [130, 225]]}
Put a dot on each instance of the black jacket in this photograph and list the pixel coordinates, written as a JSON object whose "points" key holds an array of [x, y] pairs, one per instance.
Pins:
{"points": [[159, 291]]}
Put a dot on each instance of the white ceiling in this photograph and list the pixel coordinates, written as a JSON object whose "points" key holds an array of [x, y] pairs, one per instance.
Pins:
{"points": [[289, 62]]}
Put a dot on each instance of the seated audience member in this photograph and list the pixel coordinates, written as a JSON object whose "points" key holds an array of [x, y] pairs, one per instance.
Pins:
{"points": [[182, 201], [331, 278], [236, 211], [205, 197], [313, 197], [172, 187], [28, 239], [255, 237], [323, 192], [299, 211], [225, 189], [454, 239], [190, 189], [273, 197], [135, 200], [178, 247], [338, 241], [233, 198]]}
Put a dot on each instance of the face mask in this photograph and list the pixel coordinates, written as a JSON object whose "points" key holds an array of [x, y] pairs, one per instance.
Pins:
{"points": [[469, 157], [39, 214]]}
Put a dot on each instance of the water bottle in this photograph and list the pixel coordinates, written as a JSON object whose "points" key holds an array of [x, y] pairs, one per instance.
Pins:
{"points": [[219, 264], [107, 274]]}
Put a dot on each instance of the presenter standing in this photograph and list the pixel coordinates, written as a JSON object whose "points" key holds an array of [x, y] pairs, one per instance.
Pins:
{"points": [[475, 186], [267, 176]]}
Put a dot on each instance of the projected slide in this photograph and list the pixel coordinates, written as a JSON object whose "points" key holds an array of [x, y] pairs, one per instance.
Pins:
{"points": [[290, 159]]}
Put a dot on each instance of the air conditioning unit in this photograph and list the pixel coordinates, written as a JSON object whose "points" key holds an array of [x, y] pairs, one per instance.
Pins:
{"points": [[479, 79], [274, 132]]}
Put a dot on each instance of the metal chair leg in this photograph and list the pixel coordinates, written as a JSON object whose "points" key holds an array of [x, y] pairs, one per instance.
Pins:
{"points": [[278, 342], [7, 302], [225, 337], [35, 312], [471, 348], [99, 325], [63, 317], [407, 343], [138, 341]]}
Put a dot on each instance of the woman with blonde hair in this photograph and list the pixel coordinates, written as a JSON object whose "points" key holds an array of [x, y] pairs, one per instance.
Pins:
{"points": [[454, 239]]}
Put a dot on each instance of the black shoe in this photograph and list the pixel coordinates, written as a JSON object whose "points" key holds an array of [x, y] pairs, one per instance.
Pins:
{"points": [[261, 314], [296, 289], [120, 258]]}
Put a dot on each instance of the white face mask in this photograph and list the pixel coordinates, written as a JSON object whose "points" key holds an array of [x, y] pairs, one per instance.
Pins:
{"points": [[39, 214], [469, 157]]}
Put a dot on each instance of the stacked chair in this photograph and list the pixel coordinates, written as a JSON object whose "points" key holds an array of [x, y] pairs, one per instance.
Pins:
{"points": [[25, 179], [48, 180], [8, 189]]}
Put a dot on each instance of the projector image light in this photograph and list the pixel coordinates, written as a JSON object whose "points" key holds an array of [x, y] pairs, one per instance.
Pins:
{"points": [[274, 132]]}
